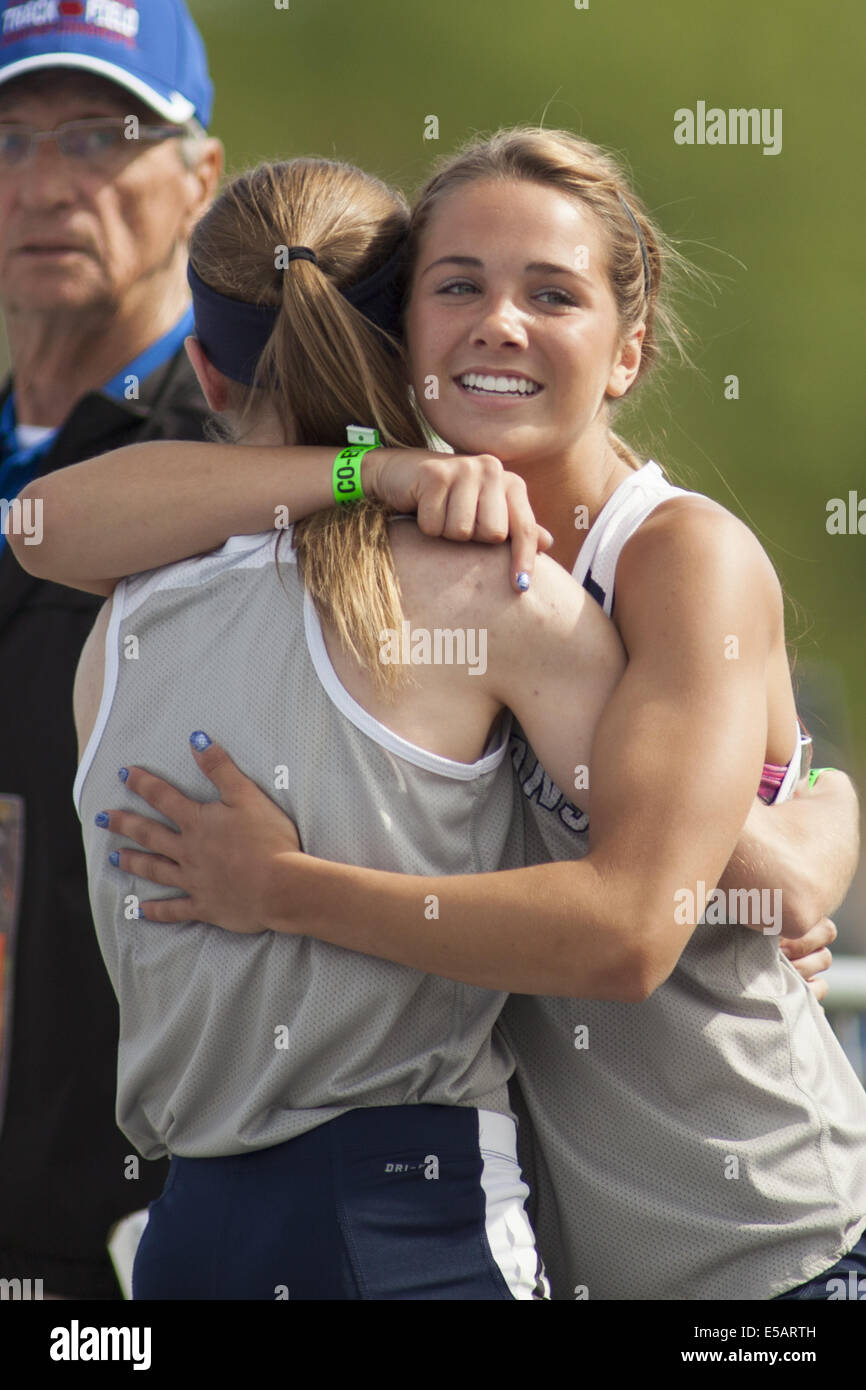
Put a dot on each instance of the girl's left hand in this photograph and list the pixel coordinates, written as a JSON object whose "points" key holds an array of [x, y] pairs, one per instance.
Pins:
{"points": [[221, 852]]}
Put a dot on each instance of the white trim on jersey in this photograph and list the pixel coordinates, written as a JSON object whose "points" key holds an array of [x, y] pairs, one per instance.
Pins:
{"points": [[254, 552], [623, 512], [130, 593], [792, 775], [380, 733], [241, 552], [109, 685]]}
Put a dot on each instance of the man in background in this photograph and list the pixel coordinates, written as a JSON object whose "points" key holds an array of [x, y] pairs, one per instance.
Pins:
{"points": [[104, 168]]}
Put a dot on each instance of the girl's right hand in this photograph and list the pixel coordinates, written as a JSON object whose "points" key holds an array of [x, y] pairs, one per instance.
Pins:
{"points": [[810, 954], [220, 853], [459, 497]]}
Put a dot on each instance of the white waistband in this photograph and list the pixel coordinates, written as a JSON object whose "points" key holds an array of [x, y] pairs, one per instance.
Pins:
{"points": [[497, 1134]]}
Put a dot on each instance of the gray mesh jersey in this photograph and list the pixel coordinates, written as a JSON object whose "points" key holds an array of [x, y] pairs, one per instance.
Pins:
{"points": [[708, 1142], [230, 1043]]}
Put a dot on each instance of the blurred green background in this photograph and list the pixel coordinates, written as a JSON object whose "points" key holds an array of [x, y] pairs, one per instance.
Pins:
{"points": [[783, 234]]}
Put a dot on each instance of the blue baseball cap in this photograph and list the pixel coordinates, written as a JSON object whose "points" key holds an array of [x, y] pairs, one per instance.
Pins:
{"points": [[152, 48]]}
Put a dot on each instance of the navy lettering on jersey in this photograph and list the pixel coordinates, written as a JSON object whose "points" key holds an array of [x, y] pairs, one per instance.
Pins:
{"points": [[541, 788], [536, 784]]}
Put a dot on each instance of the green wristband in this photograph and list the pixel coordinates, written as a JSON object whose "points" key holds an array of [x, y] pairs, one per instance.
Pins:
{"points": [[347, 474], [816, 773], [346, 477]]}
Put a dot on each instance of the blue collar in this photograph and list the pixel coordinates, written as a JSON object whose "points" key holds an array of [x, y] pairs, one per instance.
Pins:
{"points": [[11, 453], [152, 357], [118, 388]]}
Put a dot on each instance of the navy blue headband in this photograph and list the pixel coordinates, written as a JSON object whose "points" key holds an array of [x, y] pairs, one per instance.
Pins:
{"points": [[233, 332], [643, 251]]}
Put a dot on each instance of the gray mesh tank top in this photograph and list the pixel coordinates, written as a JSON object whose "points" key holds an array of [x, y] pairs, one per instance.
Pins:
{"points": [[708, 1142], [230, 1043]]}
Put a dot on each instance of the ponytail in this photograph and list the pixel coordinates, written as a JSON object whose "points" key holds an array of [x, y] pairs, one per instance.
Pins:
{"points": [[325, 365]]}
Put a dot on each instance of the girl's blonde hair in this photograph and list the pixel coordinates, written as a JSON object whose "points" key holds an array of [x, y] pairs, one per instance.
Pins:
{"points": [[325, 366], [583, 171]]}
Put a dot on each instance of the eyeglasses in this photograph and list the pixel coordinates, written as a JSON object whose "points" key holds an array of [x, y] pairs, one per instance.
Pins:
{"points": [[98, 143]]}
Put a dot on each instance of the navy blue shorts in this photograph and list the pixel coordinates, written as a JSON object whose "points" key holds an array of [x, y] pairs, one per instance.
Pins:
{"points": [[846, 1280], [390, 1202]]}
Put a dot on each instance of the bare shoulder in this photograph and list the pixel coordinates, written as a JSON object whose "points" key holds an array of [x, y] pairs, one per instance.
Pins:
{"points": [[554, 625], [457, 578], [690, 552], [447, 574], [697, 531]]}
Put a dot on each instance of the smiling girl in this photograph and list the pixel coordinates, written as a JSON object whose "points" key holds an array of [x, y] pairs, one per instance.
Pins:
{"points": [[339, 1126], [533, 308]]}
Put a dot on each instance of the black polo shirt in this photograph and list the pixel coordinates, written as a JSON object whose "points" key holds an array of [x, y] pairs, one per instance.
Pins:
{"points": [[63, 1162]]}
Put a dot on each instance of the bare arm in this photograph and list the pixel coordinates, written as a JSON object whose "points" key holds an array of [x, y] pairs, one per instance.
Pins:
{"points": [[676, 760], [808, 847], [550, 652], [551, 655], [153, 504]]}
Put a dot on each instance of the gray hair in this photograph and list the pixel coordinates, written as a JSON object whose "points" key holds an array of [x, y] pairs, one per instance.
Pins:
{"points": [[190, 143]]}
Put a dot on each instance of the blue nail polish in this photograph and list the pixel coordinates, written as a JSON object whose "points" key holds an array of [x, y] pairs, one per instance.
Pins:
{"points": [[114, 858], [199, 741], [102, 819], [523, 581], [123, 773]]}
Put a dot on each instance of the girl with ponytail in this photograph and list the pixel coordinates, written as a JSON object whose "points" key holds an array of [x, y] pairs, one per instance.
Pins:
{"points": [[323, 364], [654, 1038], [339, 1126]]}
